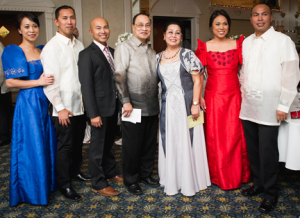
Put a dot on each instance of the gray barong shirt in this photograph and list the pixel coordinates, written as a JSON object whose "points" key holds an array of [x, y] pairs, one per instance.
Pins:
{"points": [[136, 76]]}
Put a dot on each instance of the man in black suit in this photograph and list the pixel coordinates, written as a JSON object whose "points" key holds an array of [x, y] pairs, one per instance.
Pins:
{"points": [[99, 93]]}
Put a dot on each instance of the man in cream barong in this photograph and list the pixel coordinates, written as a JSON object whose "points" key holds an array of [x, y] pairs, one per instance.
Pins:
{"points": [[269, 78]]}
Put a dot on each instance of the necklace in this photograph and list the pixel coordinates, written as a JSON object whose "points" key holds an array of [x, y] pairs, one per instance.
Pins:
{"points": [[171, 56]]}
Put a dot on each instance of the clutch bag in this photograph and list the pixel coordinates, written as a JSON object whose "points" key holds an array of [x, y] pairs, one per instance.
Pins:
{"points": [[295, 114], [199, 121]]}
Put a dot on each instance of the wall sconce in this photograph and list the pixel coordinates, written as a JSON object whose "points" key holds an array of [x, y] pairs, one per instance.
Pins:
{"points": [[4, 32], [279, 27], [282, 14], [297, 14]]}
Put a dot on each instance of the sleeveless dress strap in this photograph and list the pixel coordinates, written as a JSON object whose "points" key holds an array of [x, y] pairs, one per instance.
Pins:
{"points": [[239, 46], [201, 52]]}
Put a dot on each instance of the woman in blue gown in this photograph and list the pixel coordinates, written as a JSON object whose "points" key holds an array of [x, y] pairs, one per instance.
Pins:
{"points": [[33, 144]]}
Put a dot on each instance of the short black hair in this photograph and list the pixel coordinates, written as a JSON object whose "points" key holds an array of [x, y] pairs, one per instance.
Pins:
{"points": [[215, 14], [60, 8], [28, 15], [261, 4], [135, 16], [170, 22]]}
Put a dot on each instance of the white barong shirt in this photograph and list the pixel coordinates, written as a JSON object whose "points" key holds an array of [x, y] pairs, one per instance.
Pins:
{"points": [[268, 77], [59, 58]]}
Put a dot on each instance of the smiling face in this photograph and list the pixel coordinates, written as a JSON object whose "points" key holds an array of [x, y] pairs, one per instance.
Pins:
{"points": [[66, 22], [173, 35], [220, 26], [261, 19], [100, 30], [142, 28], [29, 29]]}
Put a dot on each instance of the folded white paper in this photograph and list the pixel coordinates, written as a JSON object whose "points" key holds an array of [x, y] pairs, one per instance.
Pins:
{"points": [[135, 116]]}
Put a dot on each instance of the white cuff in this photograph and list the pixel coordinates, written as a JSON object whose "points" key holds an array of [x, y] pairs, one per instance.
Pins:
{"points": [[59, 107], [283, 108]]}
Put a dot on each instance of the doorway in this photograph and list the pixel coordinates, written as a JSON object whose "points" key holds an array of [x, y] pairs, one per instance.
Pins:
{"points": [[7, 20], [158, 30]]}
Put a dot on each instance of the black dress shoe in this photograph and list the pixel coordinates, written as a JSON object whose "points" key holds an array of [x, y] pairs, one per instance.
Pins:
{"points": [[134, 189], [4, 142], [70, 194], [81, 178], [149, 181], [267, 205], [253, 190]]}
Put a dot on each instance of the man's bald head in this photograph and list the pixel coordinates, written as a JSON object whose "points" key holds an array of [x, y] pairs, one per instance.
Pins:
{"points": [[99, 29], [263, 5], [261, 18], [97, 20]]}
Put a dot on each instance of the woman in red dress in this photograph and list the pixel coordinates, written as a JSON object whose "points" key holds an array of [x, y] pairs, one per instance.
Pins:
{"points": [[226, 146]]}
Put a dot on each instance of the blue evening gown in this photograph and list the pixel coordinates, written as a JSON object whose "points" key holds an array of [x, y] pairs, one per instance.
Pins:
{"points": [[33, 144]]}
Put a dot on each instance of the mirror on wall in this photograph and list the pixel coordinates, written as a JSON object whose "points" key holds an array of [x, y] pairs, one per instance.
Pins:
{"points": [[274, 4]]}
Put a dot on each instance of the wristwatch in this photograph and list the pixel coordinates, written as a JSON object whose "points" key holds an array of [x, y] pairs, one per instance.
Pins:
{"points": [[195, 103]]}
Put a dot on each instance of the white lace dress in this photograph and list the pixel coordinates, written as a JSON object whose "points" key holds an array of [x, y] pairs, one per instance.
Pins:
{"points": [[182, 164]]}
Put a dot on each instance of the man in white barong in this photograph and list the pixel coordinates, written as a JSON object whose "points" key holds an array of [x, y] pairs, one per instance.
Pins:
{"points": [[269, 78]]}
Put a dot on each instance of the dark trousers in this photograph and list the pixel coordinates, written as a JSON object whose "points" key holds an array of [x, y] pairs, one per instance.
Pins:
{"points": [[101, 159], [138, 148], [5, 115], [264, 156], [69, 149]]}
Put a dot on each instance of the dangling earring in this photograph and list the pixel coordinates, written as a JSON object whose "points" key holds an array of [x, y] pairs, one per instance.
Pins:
{"points": [[164, 39]]}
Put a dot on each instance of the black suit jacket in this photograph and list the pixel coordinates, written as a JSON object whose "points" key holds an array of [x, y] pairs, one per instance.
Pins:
{"points": [[97, 84]]}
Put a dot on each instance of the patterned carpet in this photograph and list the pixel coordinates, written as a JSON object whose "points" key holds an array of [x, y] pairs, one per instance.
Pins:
{"points": [[212, 202]]}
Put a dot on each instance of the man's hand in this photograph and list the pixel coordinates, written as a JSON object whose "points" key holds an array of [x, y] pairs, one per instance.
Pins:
{"points": [[281, 116], [96, 121], [63, 117], [127, 109]]}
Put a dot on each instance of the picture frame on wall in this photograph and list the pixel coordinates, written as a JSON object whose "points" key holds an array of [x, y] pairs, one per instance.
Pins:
{"points": [[274, 4]]}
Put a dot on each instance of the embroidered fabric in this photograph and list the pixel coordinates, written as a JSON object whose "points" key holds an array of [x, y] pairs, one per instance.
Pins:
{"points": [[182, 163], [268, 77], [223, 58], [171, 74], [14, 71], [191, 62], [34, 62]]}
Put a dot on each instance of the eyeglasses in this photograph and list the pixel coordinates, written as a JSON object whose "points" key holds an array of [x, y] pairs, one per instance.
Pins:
{"points": [[140, 26]]}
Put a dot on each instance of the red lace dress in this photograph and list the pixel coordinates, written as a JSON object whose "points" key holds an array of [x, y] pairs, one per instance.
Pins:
{"points": [[226, 145]]}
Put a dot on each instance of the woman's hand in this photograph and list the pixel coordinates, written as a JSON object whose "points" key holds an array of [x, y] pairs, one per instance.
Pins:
{"points": [[195, 111], [46, 80], [202, 104]]}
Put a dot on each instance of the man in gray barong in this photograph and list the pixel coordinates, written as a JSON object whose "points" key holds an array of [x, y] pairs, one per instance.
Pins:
{"points": [[136, 79]]}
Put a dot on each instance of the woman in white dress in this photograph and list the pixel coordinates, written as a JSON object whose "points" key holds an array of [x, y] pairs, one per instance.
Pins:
{"points": [[182, 153]]}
